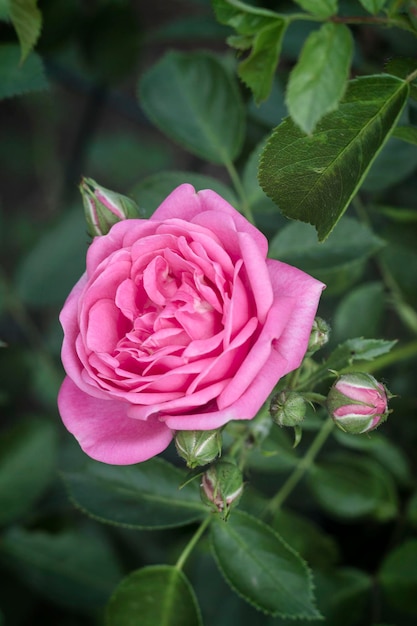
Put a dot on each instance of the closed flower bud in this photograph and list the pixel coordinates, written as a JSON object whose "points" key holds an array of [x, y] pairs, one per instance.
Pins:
{"points": [[198, 447], [103, 207], [288, 408], [222, 486], [358, 403], [319, 335]]}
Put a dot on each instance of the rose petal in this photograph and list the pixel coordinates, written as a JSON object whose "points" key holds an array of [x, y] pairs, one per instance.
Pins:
{"points": [[211, 201], [301, 297], [105, 432]]}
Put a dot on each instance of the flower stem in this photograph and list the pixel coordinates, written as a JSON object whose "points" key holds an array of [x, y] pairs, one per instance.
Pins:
{"points": [[192, 543], [235, 178], [302, 467]]}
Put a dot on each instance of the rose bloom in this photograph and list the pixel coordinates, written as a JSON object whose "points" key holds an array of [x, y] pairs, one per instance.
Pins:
{"points": [[180, 322]]}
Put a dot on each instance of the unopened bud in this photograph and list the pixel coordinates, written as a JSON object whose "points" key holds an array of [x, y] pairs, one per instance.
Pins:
{"points": [[103, 207], [319, 336], [222, 486], [358, 403], [288, 408], [198, 447]]}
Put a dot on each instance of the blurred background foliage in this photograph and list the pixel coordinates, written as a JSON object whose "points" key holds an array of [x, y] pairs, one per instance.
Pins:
{"points": [[71, 109]]}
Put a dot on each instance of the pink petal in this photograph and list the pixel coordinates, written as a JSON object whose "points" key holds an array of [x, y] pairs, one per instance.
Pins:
{"points": [[183, 203], [211, 201], [105, 432], [300, 293], [258, 274]]}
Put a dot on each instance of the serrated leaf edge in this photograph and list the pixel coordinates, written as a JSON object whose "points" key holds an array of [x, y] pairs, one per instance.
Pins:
{"points": [[303, 563]]}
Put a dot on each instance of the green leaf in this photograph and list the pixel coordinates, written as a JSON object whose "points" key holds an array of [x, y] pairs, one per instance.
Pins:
{"points": [[313, 178], [262, 569], [16, 79], [5, 13], [316, 85], [316, 547], [398, 577], [121, 158], [27, 20], [27, 464], [412, 510], [350, 486], [356, 349], [146, 495], [151, 191], [406, 133], [258, 69], [382, 449], [71, 568], [360, 313], [338, 262], [373, 6], [259, 30], [158, 595], [48, 273], [277, 453], [396, 162], [342, 595], [204, 116], [320, 8]]}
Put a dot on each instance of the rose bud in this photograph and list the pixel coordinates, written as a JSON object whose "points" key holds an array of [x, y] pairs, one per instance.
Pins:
{"points": [[103, 207], [288, 408], [319, 336], [198, 447], [358, 403], [222, 486]]}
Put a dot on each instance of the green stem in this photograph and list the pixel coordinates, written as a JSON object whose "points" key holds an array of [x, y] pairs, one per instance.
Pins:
{"points": [[192, 543], [318, 398], [411, 76], [402, 353], [371, 20], [235, 178], [302, 467]]}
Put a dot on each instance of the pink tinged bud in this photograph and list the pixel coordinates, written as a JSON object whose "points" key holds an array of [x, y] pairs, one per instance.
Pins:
{"points": [[222, 486], [103, 207], [358, 403]]}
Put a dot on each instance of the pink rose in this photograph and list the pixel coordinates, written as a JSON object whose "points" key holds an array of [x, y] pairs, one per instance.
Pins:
{"points": [[179, 323]]}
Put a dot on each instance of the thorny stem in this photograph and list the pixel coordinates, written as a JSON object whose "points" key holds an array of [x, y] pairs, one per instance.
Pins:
{"points": [[302, 467], [192, 543], [235, 178]]}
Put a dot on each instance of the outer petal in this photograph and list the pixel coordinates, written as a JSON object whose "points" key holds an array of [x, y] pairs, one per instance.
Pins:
{"points": [[182, 203], [211, 201], [104, 431], [305, 291]]}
